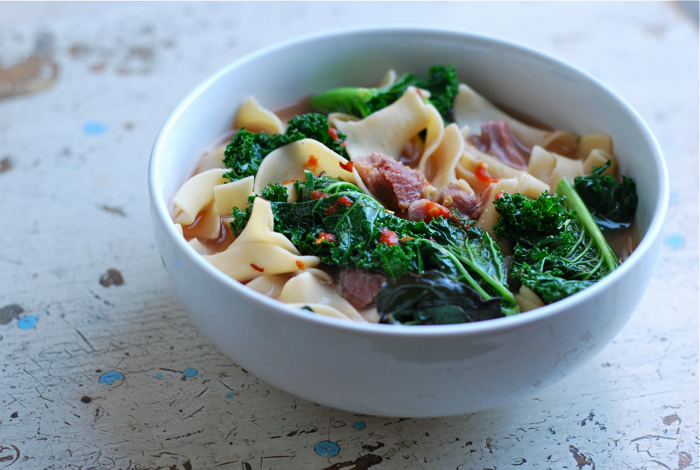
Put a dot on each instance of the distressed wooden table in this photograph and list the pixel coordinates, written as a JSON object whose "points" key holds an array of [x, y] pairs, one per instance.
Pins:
{"points": [[106, 371]]}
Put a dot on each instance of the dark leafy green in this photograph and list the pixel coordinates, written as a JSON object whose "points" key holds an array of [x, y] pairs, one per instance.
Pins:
{"points": [[612, 204], [247, 149], [442, 85], [335, 221], [556, 251], [432, 299]]}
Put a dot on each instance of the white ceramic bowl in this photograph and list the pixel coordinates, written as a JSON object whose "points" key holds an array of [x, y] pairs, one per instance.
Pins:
{"points": [[416, 371]]}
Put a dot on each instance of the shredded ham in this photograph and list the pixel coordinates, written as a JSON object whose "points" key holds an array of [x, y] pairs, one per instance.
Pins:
{"points": [[394, 184], [359, 287], [466, 203], [497, 141]]}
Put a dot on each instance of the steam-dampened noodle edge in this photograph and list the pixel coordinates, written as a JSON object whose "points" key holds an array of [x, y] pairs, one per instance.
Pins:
{"points": [[307, 289], [441, 164], [233, 194], [255, 118], [386, 131], [433, 136], [260, 228], [272, 285], [287, 164], [471, 109], [196, 193]]}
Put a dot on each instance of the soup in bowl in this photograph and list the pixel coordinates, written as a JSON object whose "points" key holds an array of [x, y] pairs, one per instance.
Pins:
{"points": [[417, 366]]}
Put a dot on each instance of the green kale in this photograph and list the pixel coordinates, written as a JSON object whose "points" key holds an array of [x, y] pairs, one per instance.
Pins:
{"points": [[335, 221], [275, 193], [442, 84], [247, 149], [558, 249], [432, 299], [611, 204]]}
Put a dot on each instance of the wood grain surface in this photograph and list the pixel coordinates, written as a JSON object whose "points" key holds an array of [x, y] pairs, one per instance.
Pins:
{"points": [[115, 376]]}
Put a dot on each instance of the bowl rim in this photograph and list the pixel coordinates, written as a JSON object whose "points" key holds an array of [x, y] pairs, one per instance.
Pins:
{"points": [[160, 206]]}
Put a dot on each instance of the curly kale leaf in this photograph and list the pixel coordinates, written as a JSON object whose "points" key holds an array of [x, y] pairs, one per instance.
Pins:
{"points": [[611, 204], [246, 151], [442, 83], [556, 253], [432, 299]]}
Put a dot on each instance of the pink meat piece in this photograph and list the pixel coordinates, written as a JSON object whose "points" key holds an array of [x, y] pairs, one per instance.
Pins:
{"points": [[497, 141], [359, 287], [466, 203], [394, 184], [426, 210]]}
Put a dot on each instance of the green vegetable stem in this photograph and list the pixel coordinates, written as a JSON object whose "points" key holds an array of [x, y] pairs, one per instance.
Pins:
{"points": [[442, 85]]}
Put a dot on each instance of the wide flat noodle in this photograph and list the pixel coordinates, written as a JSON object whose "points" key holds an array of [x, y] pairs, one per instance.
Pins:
{"points": [[386, 131], [255, 118], [288, 163], [307, 289], [439, 169], [433, 137], [321, 310], [196, 193], [489, 216], [250, 260], [260, 228], [471, 109], [270, 286], [233, 194]]}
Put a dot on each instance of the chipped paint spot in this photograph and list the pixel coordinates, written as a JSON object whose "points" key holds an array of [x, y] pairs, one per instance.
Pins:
{"points": [[27, 322], [674, 241], [581, 460], [114, 210], [160, 376], [112, 277], [670, 419], [359, 425], [9, 454], [229, 396], [94, 128], [111, 378], [189, 372], [9, 313], [684, 460], [328, 448], [86, 399], [37, 73], [5, 164]]}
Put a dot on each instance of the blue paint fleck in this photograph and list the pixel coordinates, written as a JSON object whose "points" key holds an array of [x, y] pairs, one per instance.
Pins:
{"points": [[94, 128], [359, 425], [674, 241], [673, 199], [229, 396], [189, 372], [160, 376], [110, 377], [201, 375], [327, 448], [27, 322]]}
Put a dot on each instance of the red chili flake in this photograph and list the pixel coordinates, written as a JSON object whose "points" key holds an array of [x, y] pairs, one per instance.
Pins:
{"points": [[346, 201], [257, 268], [333, 133], [300, 265], [499, 195], [330, 210], [483, 175], [435, 210], [346, 166], [316, 195], [388, 237], [323, 236], [311, 164]]}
